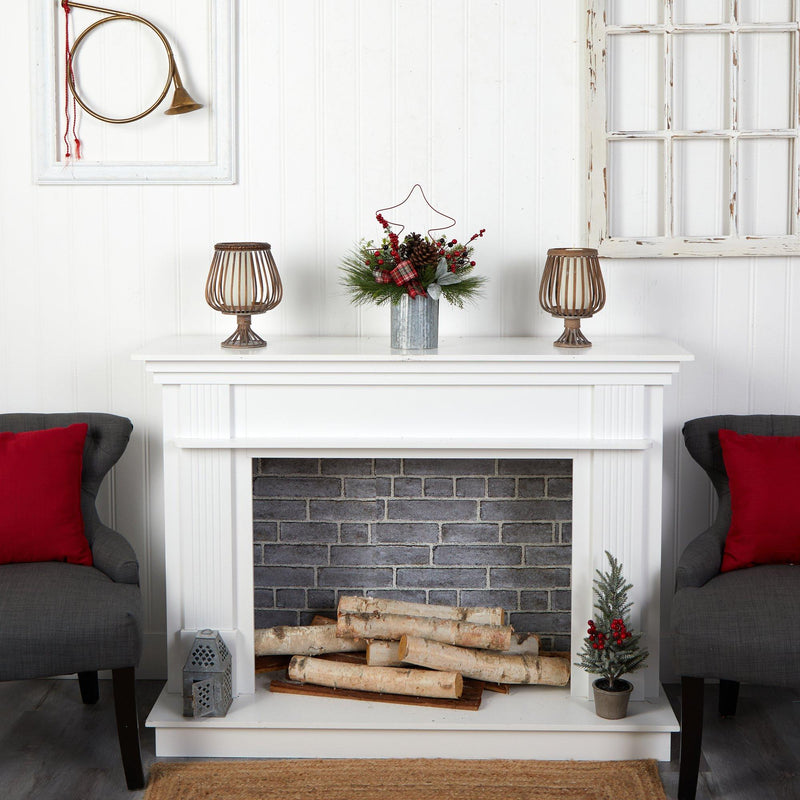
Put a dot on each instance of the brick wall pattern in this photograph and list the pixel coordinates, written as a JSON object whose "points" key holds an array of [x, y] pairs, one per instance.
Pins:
{"points": [[452, 531]]}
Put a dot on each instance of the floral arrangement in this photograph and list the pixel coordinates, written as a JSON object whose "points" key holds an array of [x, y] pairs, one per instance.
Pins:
{"points": [[611, 649], [418, 266]]}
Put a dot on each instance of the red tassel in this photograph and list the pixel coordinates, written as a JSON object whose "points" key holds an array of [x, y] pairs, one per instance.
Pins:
{"points": [[68, 73], [65, 6]]}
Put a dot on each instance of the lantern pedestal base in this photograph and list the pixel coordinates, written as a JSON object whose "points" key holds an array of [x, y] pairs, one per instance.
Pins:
{"points": [[572, 336], [244, 335]]}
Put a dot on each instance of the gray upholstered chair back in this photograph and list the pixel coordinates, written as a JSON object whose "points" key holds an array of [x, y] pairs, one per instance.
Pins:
{"points": [[702, 439], [106, 440]]}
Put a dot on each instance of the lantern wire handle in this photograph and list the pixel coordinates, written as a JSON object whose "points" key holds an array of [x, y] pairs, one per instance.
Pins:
{"points": [[428, 203]]}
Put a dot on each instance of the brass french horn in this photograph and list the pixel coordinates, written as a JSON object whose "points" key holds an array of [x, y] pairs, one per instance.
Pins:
{"points": [[182, 102]]}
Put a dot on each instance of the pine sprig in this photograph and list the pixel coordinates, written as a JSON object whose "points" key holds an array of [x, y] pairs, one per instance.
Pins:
{"points": [[467, 291], [361, 283], [611, 650], [435, 268]]}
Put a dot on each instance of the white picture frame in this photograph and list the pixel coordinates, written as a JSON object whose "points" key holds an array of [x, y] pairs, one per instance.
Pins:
{"points": [[49, 168]]}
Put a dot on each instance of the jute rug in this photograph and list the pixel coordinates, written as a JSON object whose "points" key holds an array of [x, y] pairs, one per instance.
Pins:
{"points": [[411, 779]]}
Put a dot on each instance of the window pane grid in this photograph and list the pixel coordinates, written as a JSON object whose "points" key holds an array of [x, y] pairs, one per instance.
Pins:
{"points": [[731, 134], [669, 87], [733, 116], [794, 225]]}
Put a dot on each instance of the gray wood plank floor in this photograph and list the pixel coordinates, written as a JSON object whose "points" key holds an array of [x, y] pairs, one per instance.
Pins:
{"points": [[52, 747]]}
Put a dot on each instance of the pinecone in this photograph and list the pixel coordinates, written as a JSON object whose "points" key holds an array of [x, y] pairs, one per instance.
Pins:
{"points": [[420, 252], [408, 245]]}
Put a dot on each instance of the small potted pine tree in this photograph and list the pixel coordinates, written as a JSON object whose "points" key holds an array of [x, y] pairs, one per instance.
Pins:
{"points": [[610, 648]]}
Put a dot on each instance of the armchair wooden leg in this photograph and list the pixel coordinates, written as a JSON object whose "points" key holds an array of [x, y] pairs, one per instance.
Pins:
{"points": [[128, 726], [90, 687], [691, 736], [728, 697]]}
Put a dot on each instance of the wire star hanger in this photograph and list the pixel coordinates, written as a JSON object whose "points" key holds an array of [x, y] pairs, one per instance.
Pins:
{"points": [[435, 211]]}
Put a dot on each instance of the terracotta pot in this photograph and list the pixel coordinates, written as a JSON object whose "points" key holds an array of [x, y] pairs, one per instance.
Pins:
{"points": [[611, 704]]}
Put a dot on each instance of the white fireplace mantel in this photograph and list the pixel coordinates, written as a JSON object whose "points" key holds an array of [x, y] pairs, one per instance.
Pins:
{"points": [[494, 397]]}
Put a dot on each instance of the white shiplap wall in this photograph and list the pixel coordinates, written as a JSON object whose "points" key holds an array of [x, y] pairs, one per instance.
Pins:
{"points": [[343, 106]]}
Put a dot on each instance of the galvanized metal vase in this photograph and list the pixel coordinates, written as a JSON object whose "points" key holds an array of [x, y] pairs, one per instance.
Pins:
{"points": [[415, 323]]}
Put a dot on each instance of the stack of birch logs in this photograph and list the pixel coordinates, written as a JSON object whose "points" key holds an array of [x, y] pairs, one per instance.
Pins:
{"points": [[450, 642]]}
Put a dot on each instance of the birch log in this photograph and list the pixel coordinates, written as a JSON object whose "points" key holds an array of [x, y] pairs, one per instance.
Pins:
{"points": [[312, 640], [493, 667], [368, 605], [417, 682], [383, 654], [394, 626], [524, 643]]}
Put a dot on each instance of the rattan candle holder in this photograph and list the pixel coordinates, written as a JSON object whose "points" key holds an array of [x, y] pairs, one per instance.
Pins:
{"points": [[243, 280], [572, 288]]}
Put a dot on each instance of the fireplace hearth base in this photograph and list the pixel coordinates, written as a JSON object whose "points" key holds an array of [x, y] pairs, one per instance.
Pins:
{"points": [[532, 722]]}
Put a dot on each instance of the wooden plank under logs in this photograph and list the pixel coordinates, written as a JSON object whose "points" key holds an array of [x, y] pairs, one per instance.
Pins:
{"points": [[470, 699]]}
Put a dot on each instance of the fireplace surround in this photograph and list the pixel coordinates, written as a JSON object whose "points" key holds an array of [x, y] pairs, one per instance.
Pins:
{"points": [[501, 398]]}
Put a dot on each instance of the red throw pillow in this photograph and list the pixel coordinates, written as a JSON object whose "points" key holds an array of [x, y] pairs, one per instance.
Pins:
{"points": [[764, 475], [40, 496]]}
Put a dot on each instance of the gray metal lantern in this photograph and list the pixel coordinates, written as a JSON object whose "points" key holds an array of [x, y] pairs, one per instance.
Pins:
{"points": [[207, 684]]}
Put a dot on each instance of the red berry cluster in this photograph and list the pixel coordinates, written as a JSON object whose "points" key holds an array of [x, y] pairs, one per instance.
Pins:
{"points": [[457, 254], [597, 638], [393, 238], [619, 631]]}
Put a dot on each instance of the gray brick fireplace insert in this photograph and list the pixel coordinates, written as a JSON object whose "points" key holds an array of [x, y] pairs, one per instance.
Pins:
{"points": [[454, 531]]}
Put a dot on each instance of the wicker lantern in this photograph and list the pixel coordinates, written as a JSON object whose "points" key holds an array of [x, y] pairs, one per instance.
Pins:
{"points": [[243, 280], [572, 288], [207, 683]]}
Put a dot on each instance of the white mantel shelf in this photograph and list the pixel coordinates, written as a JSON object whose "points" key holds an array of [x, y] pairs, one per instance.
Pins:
{"points": [[628, 349], [497, 398]]}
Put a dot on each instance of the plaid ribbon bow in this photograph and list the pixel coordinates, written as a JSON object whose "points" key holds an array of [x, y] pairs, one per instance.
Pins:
{"points": [[404, 274]]}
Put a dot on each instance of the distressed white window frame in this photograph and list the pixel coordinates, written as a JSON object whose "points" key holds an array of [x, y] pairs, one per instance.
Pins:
{"points": [[48, 169], [599, 139]]}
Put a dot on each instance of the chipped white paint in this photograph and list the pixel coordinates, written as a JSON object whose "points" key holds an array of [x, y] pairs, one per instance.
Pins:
{"points": [[603, 80]]}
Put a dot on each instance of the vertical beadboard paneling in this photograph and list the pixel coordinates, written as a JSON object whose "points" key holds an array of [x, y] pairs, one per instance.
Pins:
{"points": [[731, 364], [485, 123], [377, 132], [20, 261], [448, 123], [262, 142], [299, 56], [342, 106], [768, 384], [520, 220]]}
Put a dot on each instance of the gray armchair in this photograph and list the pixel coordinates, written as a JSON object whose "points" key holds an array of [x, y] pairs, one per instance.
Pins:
{"points": [[739, 626], [58, 618]]}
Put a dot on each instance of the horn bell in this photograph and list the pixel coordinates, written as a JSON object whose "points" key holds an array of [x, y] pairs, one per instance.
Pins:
{"points": [[182, 102]]}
